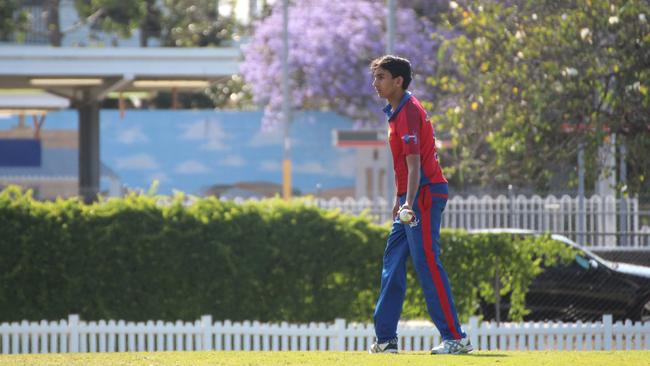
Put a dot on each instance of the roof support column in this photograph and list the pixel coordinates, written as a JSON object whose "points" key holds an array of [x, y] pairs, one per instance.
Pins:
{"points": [[88, 147]]}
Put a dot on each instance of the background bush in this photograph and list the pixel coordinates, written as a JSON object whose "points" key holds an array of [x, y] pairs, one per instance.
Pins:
{"points": [[148, 257]]}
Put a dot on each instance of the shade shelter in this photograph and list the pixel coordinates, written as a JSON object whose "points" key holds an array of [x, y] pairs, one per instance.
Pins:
{"points": [[31, 103], [85, 76]]}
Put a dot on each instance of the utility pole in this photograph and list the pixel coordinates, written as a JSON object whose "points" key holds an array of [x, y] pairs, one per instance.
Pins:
{"points": [[390, 27], [252, 11], [286, 119], [390, 49]]}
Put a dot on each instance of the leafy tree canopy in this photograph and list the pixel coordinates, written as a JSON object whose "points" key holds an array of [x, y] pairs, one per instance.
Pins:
{"points": [[196, 23], [523, 85], [113, 16], [13, 20]]}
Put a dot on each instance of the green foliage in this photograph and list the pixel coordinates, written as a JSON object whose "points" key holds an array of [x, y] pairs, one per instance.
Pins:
{"points": [[152, 257], [523, 85], [471, 262], [113, 16], [184, 23], [231, 93], [13, 21], [147, 257], [196, 23]]}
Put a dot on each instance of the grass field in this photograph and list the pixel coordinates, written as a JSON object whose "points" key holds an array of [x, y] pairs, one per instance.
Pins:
{"points": [[627, 358]]}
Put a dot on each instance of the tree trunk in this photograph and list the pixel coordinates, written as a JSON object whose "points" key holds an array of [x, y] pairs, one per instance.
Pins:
{"points": [[150, 24], [55, 37]]}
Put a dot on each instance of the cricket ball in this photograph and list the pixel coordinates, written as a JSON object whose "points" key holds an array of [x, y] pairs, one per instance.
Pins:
{"points": [[405, 216]]}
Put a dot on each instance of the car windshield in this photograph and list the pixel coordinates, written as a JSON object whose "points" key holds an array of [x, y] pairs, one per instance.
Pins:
{"points": [[588, 252]]}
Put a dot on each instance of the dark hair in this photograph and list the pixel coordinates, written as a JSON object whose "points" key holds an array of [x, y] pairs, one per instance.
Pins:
{"points": [[397, 66]]}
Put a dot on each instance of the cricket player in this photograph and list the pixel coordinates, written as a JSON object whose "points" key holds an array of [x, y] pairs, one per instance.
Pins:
{"points": [[421, 197]]}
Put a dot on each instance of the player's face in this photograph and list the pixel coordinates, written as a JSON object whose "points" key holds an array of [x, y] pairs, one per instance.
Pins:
{"points": [[385, 84]]}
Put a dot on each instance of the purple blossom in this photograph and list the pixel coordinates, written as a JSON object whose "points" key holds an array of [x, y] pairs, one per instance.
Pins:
{"points": [[331, 45]]}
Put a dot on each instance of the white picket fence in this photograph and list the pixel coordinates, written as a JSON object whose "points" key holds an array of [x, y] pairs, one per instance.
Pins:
{"points": [[74, 335], [597, 221]]}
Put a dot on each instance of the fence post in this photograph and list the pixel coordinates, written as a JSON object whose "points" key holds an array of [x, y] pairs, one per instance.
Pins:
{"points": [[206, 325], [623, 180], [497, 291], [511, 206], [339, 328], [608, 332], [582, 215], [473, 331], [73, 326]]}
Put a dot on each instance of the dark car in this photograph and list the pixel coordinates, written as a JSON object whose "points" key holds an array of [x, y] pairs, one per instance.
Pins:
{"points": [[585, 290]]}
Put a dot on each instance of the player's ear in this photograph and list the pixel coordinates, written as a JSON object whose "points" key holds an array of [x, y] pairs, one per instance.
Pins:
{"points": [[399, 81]]}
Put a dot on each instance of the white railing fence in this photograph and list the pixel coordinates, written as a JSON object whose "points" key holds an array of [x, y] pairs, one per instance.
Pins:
{"points": [[74, 335], [592, 221], [595, 220], [378, 209]]}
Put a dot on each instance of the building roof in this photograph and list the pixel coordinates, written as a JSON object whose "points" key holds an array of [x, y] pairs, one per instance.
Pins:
{"points": [[236, 192], [252, 189], [56, 164], [338, 192]]}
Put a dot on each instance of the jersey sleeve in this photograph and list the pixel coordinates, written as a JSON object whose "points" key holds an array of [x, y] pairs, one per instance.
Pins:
{"points": [[410, 133]]}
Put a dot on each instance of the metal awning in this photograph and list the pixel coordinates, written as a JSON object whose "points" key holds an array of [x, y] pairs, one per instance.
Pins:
{"points": [[68, 71], [86, 75]]}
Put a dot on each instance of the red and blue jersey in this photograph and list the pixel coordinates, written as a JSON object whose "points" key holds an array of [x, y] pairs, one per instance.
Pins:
{"points": [[411, 133]]}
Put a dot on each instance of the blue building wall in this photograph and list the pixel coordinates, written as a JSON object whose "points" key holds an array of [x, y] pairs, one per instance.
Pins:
{"points": [[189, 150]]}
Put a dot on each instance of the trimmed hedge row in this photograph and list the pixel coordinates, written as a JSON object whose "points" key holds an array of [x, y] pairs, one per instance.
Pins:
{"points": [[147, 257]]}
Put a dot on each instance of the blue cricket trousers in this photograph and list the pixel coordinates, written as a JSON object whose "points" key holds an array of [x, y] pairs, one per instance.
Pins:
{"points": [[420, 240]]}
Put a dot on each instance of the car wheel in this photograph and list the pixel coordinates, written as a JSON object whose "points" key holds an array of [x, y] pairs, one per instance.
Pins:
{"points": [[644, 314]]}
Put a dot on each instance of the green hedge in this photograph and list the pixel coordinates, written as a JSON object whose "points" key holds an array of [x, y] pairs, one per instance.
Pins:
{"points": [[151, 257]]}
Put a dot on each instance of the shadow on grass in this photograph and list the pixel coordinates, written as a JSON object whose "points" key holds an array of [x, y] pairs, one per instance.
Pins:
{"points": [[469, 355], [485, 355]]}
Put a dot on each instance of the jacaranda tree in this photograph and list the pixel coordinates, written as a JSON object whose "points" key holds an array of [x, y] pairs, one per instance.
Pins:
{"points": [[331, 44]]}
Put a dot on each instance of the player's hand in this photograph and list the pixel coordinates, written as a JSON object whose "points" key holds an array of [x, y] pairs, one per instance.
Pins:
{"points": [[395, 209]]}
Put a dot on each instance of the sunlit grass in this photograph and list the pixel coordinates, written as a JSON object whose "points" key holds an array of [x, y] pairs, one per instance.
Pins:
{"points": [[627, 358]]}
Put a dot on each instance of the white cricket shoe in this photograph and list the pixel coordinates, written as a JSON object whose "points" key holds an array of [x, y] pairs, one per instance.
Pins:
{"points": [[386, 347], [453, 347]]}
